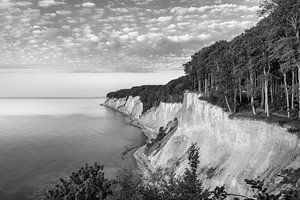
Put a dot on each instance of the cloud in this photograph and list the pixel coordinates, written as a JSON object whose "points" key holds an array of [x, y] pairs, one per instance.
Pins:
{"points": [[165, 47], [119, 10], [149, 36], [225, 8], [23, 3], [140, 33], [66, 27], [88, 4], [5, 3], [47, 3], [92, 37], [63, 12], [184, 10], [188, 37], [164, 19]]}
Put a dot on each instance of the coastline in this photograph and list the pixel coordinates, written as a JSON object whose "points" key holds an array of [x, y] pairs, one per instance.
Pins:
{"points": [[141, 160], [226, 143]]}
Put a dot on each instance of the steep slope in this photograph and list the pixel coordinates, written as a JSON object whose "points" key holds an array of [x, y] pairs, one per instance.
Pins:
{"points": [[230, 149]]}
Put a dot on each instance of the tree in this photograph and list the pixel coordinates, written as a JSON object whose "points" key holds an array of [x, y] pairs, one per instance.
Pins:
{"points": [[286, 13], [263, 40], [284, 52], [245, 51], [189, 186], [88, 182], [126, 184]]}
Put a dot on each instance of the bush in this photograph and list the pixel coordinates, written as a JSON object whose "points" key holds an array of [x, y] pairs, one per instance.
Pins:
{"points": [[88, 182], [125, 185]]}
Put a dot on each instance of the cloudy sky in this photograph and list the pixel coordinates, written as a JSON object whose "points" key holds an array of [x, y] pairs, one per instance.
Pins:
{"points": [[114, 35]]}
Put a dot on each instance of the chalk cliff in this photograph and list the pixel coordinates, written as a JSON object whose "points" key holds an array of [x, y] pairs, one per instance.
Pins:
{"points": [[230, 149]]}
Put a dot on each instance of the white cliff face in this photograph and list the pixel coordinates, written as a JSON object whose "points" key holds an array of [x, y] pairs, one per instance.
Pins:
{"points": [[231, 150], [160, 115], [131, 106]]}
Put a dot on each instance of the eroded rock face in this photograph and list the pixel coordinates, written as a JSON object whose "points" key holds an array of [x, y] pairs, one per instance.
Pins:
{"points": [[230, 149], [131, 106]]}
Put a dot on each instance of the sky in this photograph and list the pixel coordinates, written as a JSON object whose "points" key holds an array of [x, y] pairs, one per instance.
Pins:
{"points": [[66, 84], [114, 35]]}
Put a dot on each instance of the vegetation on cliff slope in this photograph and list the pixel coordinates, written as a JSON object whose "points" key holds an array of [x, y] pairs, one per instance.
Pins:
{"points": [[89, 183]]}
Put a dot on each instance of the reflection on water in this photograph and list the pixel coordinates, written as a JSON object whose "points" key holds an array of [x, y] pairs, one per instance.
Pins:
{"points": [[43, 139]]}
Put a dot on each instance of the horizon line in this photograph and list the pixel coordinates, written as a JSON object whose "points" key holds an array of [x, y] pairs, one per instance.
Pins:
{"points": [[96, 97]]}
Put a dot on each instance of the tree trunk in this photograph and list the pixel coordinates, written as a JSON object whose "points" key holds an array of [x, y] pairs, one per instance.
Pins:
{"points": [[272, 92], [255, 80], [212, 82], [266, 93], [235, 98], [275, 87], [195, 81], [251, 93], [228, 106], [297, 29], [209, 85], [293, 89], [199, 86], [240, 89], [248, 89], [190, 76], [206, 87], [287, 95], [299, 88], [262, 95]]}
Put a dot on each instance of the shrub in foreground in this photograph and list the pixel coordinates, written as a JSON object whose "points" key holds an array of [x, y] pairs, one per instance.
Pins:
{"points": [[89, 183]]}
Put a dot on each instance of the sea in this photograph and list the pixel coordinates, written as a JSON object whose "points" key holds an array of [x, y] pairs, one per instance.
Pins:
{"points": [[52, 124]]}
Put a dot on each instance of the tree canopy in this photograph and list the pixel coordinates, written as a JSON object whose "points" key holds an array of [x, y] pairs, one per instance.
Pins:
{"points": [[259, 64]]}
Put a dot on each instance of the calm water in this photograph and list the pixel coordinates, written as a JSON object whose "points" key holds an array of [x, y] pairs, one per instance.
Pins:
{"points": [[43, 139]]}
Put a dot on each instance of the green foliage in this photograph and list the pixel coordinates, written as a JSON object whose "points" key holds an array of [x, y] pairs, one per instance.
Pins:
{"points": [[87, 183], [291, 179], [261, 191], [125, 185], [219, 193], [189, 185], [162, 186], [253, 61], [190, 175], [252, 64]]}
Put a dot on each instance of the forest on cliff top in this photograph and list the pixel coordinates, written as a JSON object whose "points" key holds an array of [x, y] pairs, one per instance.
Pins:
{"points": [[259, 68]]}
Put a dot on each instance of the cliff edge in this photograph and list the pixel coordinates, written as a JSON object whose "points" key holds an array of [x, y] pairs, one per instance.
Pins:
{"points": [[231, 150]]}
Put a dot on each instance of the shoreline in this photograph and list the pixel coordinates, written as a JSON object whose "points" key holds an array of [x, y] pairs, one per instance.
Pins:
{"points": [[233, 131], [140, 158]]}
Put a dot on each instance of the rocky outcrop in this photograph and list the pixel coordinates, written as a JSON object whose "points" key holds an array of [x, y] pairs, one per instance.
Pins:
{"points": [[231, 150]]}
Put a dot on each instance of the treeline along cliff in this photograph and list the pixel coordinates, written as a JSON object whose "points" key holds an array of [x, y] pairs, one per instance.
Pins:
{"points": [[260, 67], [263, 63]]}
